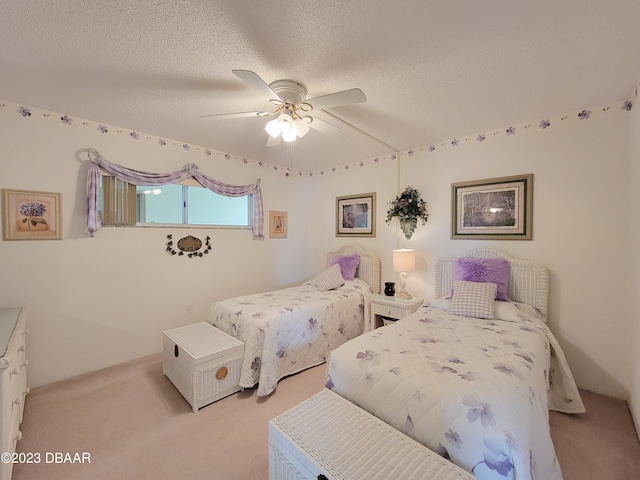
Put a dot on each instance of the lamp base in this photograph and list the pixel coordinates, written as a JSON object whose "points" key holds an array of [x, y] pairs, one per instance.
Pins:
{"points": [[401, 290]]}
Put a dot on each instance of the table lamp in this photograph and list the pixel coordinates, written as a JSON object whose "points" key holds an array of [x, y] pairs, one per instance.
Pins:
{"points": [[404, 260]]}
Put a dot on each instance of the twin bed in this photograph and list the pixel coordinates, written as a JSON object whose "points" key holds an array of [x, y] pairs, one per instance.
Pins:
{"points": [[471, 377], [292, 329], [476, 390]]}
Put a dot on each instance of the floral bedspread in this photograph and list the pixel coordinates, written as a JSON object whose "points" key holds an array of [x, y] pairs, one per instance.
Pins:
{"points": [[288, 330], [476, 391]]}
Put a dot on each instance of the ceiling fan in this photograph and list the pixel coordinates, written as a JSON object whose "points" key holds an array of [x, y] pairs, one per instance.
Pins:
{"points": [[292, 110]]}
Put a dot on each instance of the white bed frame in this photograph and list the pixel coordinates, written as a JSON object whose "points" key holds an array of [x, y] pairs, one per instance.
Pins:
{"points": [[528, 280], [369, 268]]}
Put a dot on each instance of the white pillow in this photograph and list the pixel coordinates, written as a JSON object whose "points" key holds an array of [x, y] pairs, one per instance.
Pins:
{"points": [[473, 299], [441, 303], [329, 279], [508, 311]]}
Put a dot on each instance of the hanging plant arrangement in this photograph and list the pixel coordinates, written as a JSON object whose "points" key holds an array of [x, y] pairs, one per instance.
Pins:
{"points": [[408, 207]]}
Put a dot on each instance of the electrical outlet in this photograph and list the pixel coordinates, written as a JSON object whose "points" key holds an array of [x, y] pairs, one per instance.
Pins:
{"points": [[189, 308]]}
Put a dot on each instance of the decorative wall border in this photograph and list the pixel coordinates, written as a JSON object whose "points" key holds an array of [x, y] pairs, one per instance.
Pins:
{"points": [[64, 120], [512, 130]]}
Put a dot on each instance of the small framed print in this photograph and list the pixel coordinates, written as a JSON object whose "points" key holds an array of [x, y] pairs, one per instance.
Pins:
{"points": [[277, 224], [493, 209], [355, 215], [29, 215]]}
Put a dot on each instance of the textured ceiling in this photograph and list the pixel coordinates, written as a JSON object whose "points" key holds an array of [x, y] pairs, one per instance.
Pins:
{"points": [[431, 70]]}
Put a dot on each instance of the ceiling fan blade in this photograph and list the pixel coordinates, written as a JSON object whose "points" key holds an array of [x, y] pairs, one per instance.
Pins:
{"points": [[237, 115], [254, 81], [274, 142], [346, 97], [328, 129]]}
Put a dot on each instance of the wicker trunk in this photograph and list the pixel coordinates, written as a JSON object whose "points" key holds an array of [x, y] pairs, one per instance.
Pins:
{"points": [[328, 437], [202, 362]]}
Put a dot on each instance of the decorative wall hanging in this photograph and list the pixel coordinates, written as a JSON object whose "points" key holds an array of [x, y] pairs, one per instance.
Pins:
{"points": [[277, 224], [31, 215], [189, 246], [356, 215], [408, 207], [493, 209]]}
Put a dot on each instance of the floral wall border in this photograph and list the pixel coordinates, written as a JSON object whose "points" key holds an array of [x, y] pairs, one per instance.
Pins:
{"points": [[105, 129], [544, 124]]}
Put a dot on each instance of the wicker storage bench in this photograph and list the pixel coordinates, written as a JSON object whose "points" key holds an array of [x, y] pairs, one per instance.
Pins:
{"points": [[328, 437], [202, 362]]}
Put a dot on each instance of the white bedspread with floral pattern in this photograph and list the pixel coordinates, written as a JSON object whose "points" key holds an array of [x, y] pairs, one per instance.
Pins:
{"points": [[288, 330], [475, 391]]}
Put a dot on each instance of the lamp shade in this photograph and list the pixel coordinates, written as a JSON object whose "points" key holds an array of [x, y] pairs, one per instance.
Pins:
{"points": [[404, 260]]}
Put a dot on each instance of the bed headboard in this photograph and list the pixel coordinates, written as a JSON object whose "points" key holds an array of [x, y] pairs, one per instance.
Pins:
{"points": [[528, 280], [369, 268]]}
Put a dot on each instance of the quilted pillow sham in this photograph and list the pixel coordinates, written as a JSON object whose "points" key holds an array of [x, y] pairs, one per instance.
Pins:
{"points": [[348, 265], [329, 279], [473, 299], [484, 270]]}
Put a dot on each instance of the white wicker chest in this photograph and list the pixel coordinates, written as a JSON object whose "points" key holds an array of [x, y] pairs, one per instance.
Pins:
{"points": [[13, 381], [202, 362], [328, 437]]}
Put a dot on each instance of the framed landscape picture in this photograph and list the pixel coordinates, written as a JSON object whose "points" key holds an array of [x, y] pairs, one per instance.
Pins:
{"points": [[493, 209], [355, 215], [28, 215]]}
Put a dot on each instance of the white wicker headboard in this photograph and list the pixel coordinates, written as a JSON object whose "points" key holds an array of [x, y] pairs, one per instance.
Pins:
{"points": [[369, 268], [528, 280]]}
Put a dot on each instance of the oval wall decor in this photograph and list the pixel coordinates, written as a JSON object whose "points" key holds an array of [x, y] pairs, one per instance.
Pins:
{"points": [[189, 246]]}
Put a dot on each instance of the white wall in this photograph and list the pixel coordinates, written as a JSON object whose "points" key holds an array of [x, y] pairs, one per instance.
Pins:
{"points": [[581, 211], [96, 302], [99, 301], [379, 177], [634, 259]]}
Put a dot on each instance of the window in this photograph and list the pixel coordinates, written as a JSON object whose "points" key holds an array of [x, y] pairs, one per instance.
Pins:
{"points": [[121, 204]]}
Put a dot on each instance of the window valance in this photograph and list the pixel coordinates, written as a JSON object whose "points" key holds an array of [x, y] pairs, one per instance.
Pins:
{"points": [[136, 177]]}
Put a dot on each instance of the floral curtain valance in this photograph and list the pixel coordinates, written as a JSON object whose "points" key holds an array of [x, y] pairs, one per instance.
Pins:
{"points": [[190, 170]]}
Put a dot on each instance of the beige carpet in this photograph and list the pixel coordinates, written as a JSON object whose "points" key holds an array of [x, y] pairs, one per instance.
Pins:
{"points": [[135, 425]]}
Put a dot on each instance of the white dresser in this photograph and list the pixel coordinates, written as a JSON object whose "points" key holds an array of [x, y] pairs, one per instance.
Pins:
{"points": [[13, 380]]}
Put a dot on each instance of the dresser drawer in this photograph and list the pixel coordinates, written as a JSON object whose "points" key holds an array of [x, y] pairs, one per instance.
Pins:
{"points": [[389, 311], [13, 380]]}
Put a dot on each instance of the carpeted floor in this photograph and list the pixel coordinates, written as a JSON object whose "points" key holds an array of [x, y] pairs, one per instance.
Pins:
{"points": [[132, 423]]}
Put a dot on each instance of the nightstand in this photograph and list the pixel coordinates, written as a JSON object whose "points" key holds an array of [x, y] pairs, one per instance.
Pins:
{"points": [[386, 310]]}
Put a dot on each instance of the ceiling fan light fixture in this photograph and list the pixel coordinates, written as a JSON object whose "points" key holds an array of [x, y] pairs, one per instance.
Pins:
{"points": [[285, 122], [273, 128], [301, 126], [289, 135]]}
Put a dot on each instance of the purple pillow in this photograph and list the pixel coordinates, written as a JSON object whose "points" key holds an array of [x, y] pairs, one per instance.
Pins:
{"points": [[485, 270], [348, 265]]}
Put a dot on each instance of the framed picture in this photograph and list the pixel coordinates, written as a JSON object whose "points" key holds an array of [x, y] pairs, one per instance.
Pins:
{"points": [[277, 224], [28, 215], [356, 215], [493, 209]]}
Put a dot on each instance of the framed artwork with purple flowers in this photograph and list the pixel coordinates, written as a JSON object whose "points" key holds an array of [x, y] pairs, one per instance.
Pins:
{"points": [[356, 215], [29, 215], [493, 209]]}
